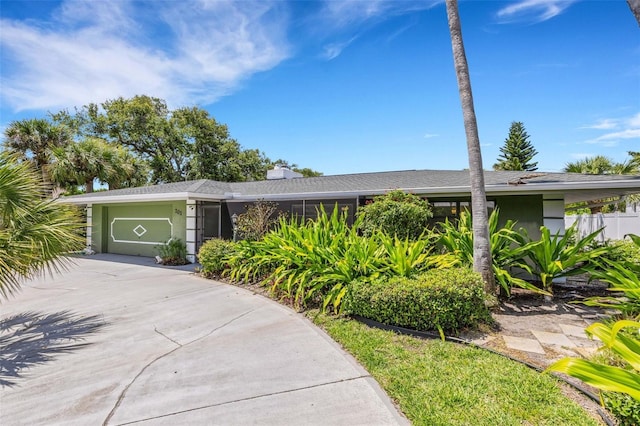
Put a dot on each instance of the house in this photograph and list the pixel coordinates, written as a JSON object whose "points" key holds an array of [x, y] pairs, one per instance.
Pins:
{"points": [[136, 220]]}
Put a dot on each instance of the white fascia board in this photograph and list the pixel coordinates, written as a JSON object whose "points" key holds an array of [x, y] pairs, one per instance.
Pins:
{"points": [[130, 198]]}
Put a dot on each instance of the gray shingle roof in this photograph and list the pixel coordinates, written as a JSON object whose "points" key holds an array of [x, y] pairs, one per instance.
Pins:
{"points": [[417, 180]]}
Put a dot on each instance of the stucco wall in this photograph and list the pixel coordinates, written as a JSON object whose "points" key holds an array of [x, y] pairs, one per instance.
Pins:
{"points": [[137, 228]]}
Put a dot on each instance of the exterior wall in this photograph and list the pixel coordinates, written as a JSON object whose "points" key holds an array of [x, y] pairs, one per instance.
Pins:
{"points": [[553, 212], [137, 228], [527, 210]]}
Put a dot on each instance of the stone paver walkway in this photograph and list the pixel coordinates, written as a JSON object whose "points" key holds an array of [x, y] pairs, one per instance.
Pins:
{"points": [[541, 332]]}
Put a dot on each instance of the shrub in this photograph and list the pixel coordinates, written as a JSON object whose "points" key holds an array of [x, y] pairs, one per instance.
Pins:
{"points": [[214, 256], [259, 218], [308, 261], [620, 251], [396, 213], [439, 299], [625, 409], [173, 252]]}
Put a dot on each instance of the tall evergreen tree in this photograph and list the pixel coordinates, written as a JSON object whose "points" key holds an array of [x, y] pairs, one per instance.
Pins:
{"points": [[517, 152]]}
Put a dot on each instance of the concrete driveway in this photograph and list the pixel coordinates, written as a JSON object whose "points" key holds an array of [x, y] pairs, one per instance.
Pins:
{"points": [[110, 342]]}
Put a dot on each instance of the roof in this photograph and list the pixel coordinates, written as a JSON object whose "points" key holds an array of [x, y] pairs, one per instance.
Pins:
{"points": [[574, 186]]}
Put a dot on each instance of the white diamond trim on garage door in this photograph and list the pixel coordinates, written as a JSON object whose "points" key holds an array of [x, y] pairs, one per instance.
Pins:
{"points": [[137, 231]]}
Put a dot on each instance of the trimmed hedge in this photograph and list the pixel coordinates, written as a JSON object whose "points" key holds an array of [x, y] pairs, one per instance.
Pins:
{"points": [[449, 299], [214, 255]]}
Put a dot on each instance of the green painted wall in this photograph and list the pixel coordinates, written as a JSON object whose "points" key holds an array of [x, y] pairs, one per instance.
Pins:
{"points": [[525, 209], [137, 228]]}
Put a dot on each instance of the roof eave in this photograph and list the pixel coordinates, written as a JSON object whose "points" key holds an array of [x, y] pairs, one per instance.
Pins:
{"points": [[169, 196]]}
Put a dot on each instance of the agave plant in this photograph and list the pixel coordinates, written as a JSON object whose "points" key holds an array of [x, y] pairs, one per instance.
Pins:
{"points": [[605, 377], [506, 248], [404, 257], [556, 256]]}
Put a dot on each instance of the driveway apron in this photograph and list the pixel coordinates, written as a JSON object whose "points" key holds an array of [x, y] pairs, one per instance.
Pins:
{"points": [[123, 343]]}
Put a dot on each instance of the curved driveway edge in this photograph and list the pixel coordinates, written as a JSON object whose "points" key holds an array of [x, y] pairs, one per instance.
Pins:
{"points": [[172, 348]]}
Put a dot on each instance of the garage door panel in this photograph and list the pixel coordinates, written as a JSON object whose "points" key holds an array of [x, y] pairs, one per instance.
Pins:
{"points": [[138, 230]]}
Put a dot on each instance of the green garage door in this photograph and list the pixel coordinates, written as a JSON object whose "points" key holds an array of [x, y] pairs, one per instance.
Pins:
{"points": [[137, 230]]}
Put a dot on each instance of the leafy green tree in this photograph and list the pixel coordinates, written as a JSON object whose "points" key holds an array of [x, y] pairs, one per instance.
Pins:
{"points": [[517, 152], [396, 214], [481, 244], [306, 171], [35, 233], [185, 143], [34, 140]]}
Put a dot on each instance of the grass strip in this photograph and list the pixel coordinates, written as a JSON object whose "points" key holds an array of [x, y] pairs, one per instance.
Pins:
{"points": [[441, 383]]}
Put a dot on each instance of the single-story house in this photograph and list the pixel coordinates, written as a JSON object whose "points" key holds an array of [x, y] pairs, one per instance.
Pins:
{"points": [[136, 220]]}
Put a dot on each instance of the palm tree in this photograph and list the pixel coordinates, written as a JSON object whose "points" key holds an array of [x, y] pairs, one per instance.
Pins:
{"points": [[481, 244], [597, 165], [124, 170], [634, 5], [81, 163], [601, 165], [34, 140], [35, 233]]}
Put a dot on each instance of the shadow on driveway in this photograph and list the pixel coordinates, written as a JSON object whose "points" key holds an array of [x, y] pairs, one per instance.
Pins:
{"points": [[32, 338]]}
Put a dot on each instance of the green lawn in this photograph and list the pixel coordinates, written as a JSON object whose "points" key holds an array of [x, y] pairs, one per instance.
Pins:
{"points": [[441, 383]]}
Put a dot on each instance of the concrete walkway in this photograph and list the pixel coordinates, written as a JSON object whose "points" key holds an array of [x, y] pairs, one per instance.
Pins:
{"points": [[121, 343]]}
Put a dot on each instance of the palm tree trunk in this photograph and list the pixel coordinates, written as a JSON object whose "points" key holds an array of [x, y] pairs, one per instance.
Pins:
{"points": [[88, 186], [634, 5], [47, 184], [481, 242]]}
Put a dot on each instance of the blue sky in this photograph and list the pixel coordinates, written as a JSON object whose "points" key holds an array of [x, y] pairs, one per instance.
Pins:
{"points": [[342, 86]]}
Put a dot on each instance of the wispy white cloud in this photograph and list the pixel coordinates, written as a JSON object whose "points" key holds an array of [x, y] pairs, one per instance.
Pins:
{"points": [[617, 136], [532, 11], [603, 124], [333, 50], [634, 121], [430, 135], [343, 21], [618, 129], [91, 51]]}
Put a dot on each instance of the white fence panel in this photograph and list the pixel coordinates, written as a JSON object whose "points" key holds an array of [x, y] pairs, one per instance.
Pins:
{"points": [[616, 225]]}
